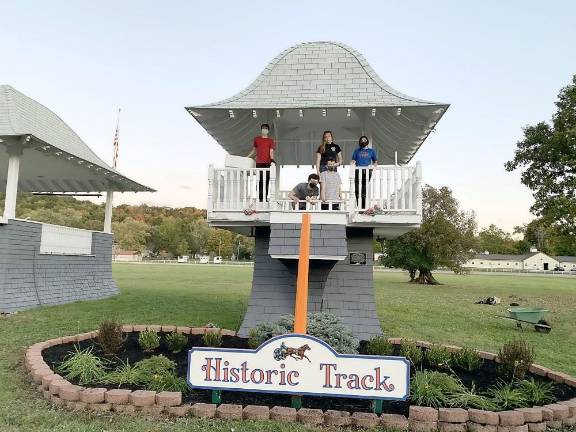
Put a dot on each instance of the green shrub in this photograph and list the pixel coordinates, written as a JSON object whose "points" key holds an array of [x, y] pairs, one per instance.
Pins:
{"points": [[83, 366], [125, 375], [212, 339], [537, 392], [468, 398], [411, 351], [379, 345], [110, 336], [506, 397], [331, 330], [166, 382], [433, 389], [176, 341], [262, 332], [148, 340], [439, 357], [156, 365], [467, 359], [325, 326], [515, 359]]}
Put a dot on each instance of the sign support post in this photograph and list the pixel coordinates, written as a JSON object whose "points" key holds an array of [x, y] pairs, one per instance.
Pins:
{"points": [[301, 306]]}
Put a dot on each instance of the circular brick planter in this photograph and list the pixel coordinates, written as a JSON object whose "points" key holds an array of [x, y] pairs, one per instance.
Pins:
{"points": [[60, 392]]}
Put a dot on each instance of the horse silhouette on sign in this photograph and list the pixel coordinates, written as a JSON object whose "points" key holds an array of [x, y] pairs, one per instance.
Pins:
{"points": [[282, 352]]}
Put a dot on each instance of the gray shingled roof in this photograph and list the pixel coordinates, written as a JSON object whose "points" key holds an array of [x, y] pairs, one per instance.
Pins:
{"points": [[55, 158], [564, 258], [505, 257], [315, 76]]}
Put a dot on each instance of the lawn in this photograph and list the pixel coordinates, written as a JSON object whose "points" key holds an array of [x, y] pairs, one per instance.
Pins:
{"points": [[191, 295]]}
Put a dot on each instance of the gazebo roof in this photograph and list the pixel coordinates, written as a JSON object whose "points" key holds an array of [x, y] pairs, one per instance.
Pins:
{"points": [[54, 158], [315, 86]]}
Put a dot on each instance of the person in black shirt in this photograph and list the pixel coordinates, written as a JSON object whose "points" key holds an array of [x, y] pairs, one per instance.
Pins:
{"points": [[327, 150]]}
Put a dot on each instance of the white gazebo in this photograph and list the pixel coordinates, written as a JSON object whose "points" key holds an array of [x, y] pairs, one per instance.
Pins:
{"points": [[42, 263], [305, 90], [315, 86]]}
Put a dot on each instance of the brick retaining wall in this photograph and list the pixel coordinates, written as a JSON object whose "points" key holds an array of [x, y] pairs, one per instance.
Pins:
{"points": [[60, 392]]}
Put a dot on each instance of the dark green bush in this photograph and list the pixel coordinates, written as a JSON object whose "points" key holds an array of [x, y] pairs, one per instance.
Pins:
{"points": [[433, 389], [411, 351], [148, 340], [110, 337], [467, 359], [515, 357], [83, 366], [506, 397], [125, 375], [468, 398], [379, 345], [262, 332], [167, 382], [439, 357], [176, 341], [325, 326], [212, 339], [537, 392]]}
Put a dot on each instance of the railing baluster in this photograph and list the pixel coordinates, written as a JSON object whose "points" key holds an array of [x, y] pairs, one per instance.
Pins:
{"points": [[402, 187], [410, 187], [388, 197], [395, 188]]}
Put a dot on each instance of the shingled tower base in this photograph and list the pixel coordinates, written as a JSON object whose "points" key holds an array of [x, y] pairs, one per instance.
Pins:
{"points": [[335, 286]]}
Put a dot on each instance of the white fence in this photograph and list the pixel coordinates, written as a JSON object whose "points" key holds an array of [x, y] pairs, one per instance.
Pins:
{"points": [[61, 240], [385, 188]]}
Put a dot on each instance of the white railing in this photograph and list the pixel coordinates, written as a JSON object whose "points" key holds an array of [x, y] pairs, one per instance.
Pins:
{"points": [[61, 240], [390, 188], [240, 189], [385, 189]]}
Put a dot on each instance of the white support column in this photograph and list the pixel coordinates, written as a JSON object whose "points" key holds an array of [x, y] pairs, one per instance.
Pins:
{"points": [[14, 153], [352, 189], [418, 188], [108, 212]]}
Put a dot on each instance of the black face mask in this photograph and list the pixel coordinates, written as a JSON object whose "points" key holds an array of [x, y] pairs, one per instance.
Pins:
{"points": [[331, 168], [363, 144]]}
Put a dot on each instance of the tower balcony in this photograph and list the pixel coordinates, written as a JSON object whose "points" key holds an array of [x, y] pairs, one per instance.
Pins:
{"points": [[387, 198]]}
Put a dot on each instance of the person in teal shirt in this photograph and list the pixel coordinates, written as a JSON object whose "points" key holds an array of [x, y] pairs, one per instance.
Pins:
{"points": [[363, 156]]}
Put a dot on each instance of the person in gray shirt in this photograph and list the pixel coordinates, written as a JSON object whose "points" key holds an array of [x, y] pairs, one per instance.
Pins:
{"points": [[308, 191], [330, 186]]}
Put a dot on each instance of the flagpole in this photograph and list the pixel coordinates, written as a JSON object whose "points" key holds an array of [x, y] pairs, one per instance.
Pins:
{"points": [[110, 194]]}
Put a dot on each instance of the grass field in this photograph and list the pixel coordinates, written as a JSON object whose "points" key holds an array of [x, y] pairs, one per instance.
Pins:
{"points": [[191, 295]]}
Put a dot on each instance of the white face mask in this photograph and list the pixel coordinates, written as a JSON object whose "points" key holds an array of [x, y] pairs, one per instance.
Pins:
{"points": [[264, 131]]}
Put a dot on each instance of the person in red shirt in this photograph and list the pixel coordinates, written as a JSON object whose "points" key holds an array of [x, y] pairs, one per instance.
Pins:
{"points": [[264, 149]]}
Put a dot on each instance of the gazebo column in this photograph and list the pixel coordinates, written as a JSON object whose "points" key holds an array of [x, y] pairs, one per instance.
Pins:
{"points": [[14, 153], [108, 212]]}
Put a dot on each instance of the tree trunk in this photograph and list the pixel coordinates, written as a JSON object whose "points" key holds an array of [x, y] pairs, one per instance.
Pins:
{"points": [[425, 278]]}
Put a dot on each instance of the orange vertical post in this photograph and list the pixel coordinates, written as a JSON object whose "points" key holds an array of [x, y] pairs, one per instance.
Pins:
{"points": [[301, 307]]}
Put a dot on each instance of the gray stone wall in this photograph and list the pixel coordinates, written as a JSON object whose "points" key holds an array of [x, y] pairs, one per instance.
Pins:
{"points": [[29, 279], [325, 240], [336, 287]]}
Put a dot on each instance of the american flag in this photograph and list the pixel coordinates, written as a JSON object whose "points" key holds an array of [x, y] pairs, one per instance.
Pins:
{"points": [[116, 135]]}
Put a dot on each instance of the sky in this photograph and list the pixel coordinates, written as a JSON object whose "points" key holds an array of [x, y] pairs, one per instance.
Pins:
{"points": [[499, 64]]}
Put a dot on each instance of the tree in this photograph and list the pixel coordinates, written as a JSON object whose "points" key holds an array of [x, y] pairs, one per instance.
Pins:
{"points": [[131, 234], [221, 242], [198, 235], [496, 240], [445, 238], [547, 158], [170, 236], [548, 237]]}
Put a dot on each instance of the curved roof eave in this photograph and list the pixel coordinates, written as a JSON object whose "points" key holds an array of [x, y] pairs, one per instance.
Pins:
{"points": [[21, 115], [389, 97]]}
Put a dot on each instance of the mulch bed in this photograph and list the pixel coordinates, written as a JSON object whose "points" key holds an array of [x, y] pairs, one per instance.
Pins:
{"points": [[483, 378]]}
